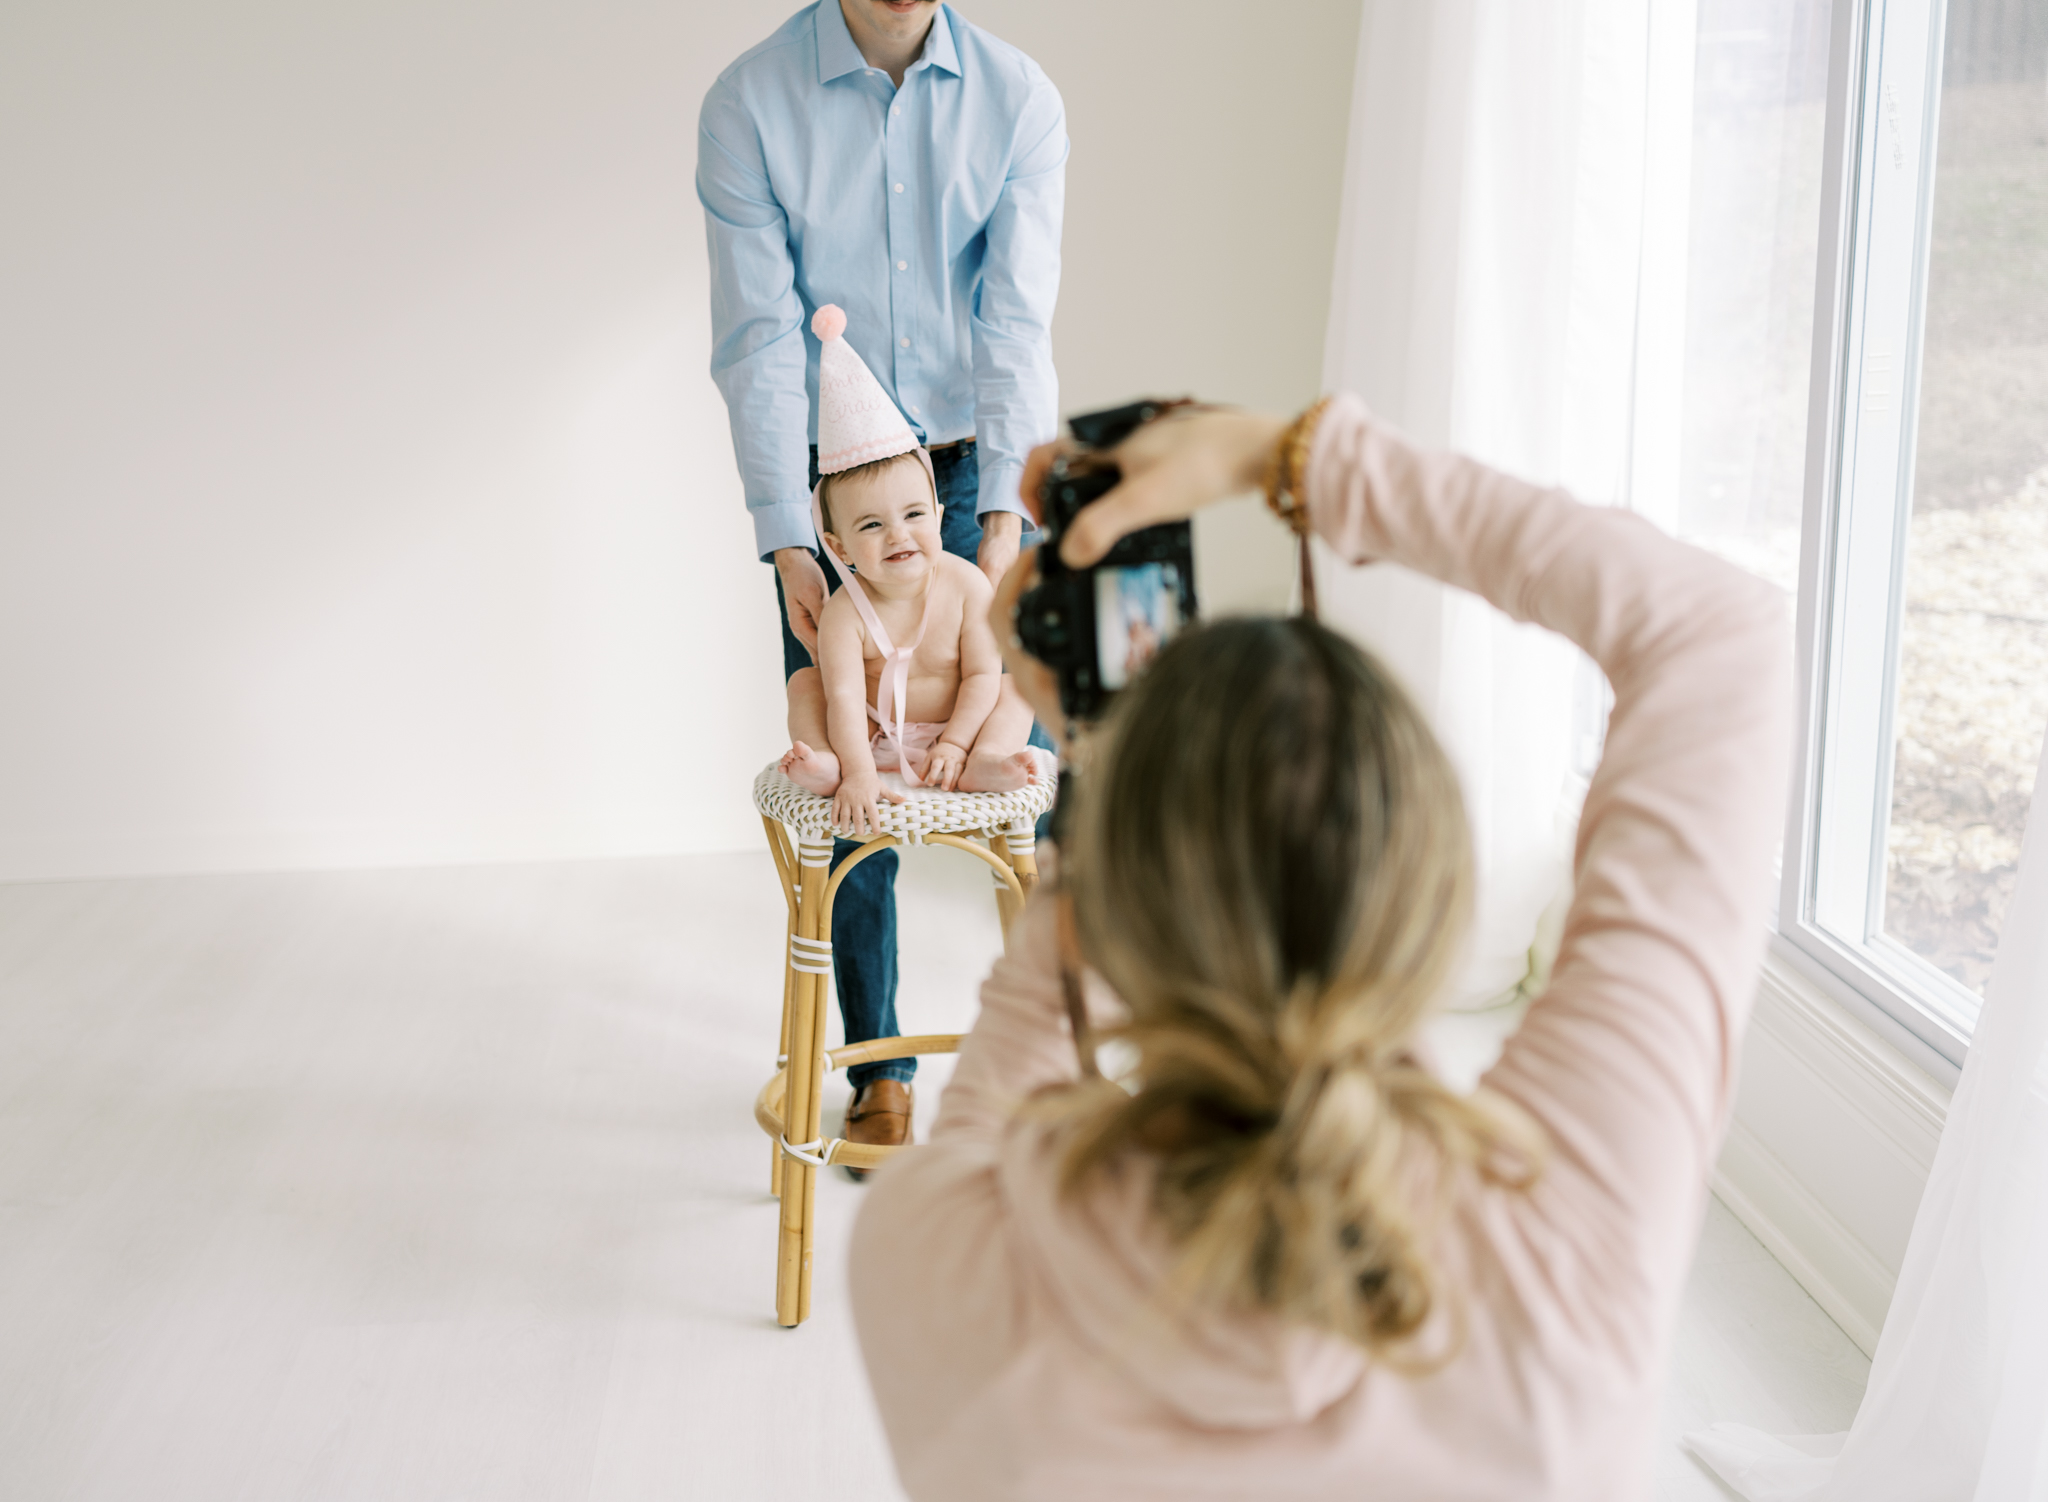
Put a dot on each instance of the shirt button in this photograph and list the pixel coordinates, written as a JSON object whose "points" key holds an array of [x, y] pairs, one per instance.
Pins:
{"points": [[906, 344], [903, 265], [899, 187], [895, 109]]}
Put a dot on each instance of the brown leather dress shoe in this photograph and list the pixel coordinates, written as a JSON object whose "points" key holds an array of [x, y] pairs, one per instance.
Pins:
{"points": [[879, 1115]]}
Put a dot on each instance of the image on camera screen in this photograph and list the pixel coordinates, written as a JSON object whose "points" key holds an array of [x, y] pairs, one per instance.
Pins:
{"points": [[1137, 611]]}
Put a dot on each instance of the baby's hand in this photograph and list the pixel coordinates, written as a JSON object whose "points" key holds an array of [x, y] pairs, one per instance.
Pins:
{"points": [[943, 765], [856, 808]]}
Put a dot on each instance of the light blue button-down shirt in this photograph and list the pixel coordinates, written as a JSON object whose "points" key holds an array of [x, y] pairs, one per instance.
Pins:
{"points": [[930, 213]]}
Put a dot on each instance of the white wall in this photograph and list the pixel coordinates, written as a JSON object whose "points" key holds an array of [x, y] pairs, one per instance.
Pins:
{"points": [[363, 497]]}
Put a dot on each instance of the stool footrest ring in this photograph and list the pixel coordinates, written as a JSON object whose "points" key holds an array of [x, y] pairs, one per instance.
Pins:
{"points": [[802, 1151], [827, 1151]]}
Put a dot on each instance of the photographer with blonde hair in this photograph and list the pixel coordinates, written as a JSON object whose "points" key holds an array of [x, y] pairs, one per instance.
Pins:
{"points": [[1280, 1258]]}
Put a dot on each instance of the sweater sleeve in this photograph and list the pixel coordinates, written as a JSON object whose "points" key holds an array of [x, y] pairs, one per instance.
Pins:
{"points": [[1627, 1059], [932, 1270], [1022, 1041]]}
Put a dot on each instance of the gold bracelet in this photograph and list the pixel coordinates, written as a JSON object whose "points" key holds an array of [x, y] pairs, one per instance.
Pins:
{"points": [[1286, 470]]}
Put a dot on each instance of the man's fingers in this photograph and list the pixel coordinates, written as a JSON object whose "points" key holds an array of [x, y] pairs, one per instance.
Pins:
{"points": [[1035, 465], [803, 619], [994, 557], [1002, 610]]}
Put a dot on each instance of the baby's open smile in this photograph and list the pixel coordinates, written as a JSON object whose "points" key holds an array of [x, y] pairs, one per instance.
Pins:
{"points": [[887, 527]]}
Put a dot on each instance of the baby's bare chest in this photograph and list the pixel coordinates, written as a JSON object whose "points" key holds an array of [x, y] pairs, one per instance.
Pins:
{"points": [[936, 656], [936, 653]]}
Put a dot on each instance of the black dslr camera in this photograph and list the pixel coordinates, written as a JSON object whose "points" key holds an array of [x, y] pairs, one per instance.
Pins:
{"points": [[1096, 627]]}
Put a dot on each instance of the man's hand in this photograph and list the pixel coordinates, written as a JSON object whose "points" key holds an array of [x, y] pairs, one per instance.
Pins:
{"points": [[803, 593], [1030, 677], [1000, 533]]}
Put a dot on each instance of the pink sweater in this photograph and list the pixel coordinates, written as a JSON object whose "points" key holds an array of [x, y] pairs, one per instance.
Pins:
{"points": [[1016, 1342]]}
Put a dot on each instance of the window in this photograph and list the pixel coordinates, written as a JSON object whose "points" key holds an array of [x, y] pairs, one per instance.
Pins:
{"points": [[1866, 424]]}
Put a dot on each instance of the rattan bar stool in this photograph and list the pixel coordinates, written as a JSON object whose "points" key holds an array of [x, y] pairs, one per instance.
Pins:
{"points": [[997, 828]]}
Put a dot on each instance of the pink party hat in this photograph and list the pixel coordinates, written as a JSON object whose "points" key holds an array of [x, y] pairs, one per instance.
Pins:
{"points": [[857, 423]]}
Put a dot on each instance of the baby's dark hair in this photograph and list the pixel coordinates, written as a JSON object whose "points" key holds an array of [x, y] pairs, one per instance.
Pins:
{"points": [[870, 470]]}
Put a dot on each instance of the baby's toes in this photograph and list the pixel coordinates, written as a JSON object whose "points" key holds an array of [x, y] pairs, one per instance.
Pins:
{"points": [[813, 771], [1005, 774]]}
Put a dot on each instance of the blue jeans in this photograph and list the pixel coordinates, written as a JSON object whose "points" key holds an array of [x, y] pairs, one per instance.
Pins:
{"points": [[864, 912]]}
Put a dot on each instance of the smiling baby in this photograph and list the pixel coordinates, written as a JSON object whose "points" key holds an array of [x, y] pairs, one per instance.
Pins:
{"points": [[935, 709]]}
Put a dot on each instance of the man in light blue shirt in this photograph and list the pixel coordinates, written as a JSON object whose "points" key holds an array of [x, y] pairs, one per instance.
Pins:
{"points": [[886, 156]]}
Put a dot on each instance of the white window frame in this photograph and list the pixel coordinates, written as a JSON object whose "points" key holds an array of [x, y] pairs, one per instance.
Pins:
{"points": [[1884, 91]]}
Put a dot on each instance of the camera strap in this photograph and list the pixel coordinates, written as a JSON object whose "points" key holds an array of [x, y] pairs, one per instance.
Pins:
{"points": [[1070, 987]]}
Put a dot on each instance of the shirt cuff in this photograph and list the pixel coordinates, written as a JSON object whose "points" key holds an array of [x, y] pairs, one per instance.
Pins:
{"points": [[782, 524], [999, 493]]}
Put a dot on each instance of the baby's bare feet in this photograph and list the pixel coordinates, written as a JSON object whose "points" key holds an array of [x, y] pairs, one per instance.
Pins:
{"points": [[813, 771], [988, 773]]}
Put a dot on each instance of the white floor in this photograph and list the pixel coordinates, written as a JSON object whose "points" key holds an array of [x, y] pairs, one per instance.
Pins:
{"points": [[444, 1184]]}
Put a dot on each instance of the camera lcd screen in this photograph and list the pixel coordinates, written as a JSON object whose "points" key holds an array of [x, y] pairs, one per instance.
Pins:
{"points": [[1137, 611]]}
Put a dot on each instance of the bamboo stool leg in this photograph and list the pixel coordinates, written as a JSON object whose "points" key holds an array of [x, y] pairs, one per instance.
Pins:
{"points": [[1007, 906], [1021, 839], [786, 872], [806, 1079], [789, 993], [1017, 845]]}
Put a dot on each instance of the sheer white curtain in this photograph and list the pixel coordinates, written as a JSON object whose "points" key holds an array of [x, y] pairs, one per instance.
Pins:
{"points": [[1510, 282], [1957, 1406], [1490, 297]]}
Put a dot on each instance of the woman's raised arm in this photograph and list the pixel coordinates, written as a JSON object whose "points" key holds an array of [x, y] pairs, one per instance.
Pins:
{"points": [[1628, 1057]]}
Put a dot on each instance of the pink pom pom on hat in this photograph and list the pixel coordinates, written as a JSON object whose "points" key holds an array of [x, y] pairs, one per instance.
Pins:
{"points": [[857, 423]]}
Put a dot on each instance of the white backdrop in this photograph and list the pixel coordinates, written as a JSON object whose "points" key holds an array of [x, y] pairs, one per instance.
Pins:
{"points": [[363, 497]]}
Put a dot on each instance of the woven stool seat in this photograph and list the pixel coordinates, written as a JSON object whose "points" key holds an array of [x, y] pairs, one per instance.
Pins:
{"points": [[776, 797], [997, 829]]}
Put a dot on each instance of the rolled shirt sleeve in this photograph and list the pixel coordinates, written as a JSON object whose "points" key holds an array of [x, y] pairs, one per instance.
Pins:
{"points": [[757, 339], [1016, 392]]}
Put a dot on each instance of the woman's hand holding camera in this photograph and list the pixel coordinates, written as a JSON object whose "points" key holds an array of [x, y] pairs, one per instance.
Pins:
{"points": [[1172, 468]]}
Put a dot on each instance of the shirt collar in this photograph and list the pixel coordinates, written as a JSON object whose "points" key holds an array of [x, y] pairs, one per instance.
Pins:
{"points": [[838, 56], [938, 46]]}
